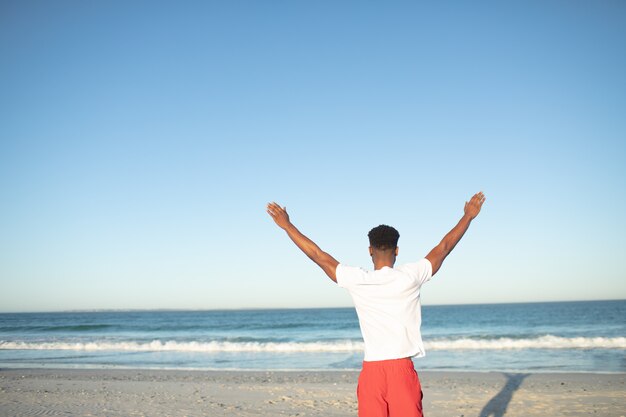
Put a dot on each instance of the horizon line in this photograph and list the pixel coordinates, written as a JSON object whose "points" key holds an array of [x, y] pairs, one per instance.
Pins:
{"points": [[129, 310]]}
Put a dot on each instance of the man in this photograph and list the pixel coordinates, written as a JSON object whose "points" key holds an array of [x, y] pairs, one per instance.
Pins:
{"points": [[387, 301]]}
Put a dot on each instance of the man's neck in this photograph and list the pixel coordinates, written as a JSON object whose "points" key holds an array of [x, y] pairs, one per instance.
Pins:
{"points": [[380, 264]]}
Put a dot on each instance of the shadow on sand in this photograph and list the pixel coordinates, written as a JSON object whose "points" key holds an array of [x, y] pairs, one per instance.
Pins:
{"points": [[497, 406]]}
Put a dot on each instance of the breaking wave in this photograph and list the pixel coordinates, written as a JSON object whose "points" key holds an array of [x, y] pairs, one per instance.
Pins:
{"points": [[542, 342], [174, 346]]}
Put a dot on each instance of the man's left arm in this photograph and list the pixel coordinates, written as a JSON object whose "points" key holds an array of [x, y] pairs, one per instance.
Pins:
{"points": [[306, 245]]}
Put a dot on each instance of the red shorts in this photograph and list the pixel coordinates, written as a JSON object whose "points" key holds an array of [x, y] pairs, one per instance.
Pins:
{"points": [[389, 388]]}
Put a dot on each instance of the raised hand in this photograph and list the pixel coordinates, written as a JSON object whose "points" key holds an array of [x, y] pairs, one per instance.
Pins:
{"points": [[278, 214], [306, 245], [472, 207]]}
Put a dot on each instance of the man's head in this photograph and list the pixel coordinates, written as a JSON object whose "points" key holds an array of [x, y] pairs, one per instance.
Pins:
{"points": [[383, 237], [384, 244]]}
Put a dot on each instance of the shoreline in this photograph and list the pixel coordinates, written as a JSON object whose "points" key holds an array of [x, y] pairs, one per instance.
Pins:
{"points": [[126, 392], [106, 368]]}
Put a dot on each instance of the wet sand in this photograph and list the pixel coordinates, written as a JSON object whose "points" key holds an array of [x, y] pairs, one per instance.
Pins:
{"points": [[80, 392]]}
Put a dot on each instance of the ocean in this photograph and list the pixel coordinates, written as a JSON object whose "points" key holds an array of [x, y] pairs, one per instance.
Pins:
{"points": [[585, 336]]}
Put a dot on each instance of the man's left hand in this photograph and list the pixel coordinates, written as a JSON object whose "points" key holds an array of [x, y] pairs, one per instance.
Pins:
{"points": [[278, 214]]}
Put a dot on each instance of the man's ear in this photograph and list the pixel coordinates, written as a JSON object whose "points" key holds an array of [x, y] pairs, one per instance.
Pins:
{"points": [[397, 250], [371, 251]]}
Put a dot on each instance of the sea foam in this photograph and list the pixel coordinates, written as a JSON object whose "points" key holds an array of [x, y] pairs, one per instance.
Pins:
{"points": [[542, 342]]}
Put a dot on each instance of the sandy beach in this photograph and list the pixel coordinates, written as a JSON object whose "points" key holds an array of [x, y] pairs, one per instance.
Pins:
{"points": [[84, 392]]}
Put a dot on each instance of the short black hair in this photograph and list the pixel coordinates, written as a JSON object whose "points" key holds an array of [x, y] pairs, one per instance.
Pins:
{"points": [[383, 237]]}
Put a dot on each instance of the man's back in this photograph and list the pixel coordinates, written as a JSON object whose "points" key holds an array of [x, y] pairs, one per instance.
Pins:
{"points": [[387, 302]]}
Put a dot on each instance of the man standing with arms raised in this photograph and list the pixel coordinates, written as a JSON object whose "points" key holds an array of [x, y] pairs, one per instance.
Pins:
{"points": [[387, 301]]}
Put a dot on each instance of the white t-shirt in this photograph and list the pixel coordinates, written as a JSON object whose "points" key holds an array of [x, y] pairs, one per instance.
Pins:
{"points": [[387, 302]]}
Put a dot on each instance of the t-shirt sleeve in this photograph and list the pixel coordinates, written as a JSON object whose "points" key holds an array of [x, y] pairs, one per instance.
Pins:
{"points": [[422, 271], [349, 276]]}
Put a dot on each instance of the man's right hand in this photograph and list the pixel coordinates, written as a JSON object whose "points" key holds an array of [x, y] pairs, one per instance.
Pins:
{"points": [[472, 207], [441, 251]]}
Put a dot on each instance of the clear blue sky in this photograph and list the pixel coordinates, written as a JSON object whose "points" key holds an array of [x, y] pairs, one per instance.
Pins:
{"points": [[140, 142]]}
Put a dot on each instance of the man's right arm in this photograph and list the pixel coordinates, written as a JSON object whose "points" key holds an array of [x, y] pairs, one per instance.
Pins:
{"points": [[443, 249]]}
